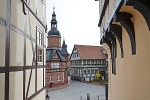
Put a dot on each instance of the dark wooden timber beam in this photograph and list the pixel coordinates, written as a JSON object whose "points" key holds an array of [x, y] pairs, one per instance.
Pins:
{"points": [[24, 54], [19, 68], [143, 6], [45, 26], [111, 37], [125, 20], [117, 32], [36, 93], [7, 48], [103, 12]]}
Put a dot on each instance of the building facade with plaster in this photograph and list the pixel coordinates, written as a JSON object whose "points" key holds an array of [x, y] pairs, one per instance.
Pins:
{"points": [[125, 34], [22, 51]]}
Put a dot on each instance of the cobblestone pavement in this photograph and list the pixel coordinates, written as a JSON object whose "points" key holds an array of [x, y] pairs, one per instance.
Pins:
{"points": [[76, 90]]}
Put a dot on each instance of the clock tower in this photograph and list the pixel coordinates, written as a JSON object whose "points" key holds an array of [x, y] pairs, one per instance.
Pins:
{"points": [[54, 36]]}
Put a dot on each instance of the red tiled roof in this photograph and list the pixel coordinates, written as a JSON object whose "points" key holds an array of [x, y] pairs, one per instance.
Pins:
{"points": [[90, 52]]}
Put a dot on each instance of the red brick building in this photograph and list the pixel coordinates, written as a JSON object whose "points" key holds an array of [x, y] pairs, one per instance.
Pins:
{"points": [[56, 57]]}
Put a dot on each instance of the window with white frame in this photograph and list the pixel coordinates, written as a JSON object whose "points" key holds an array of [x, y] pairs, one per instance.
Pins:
{"points": [[84, 61], [58, 77], [92, 61], [51, 78], [39, 37], [40, 55], [77, 55], [39, 46], [55, 65]]}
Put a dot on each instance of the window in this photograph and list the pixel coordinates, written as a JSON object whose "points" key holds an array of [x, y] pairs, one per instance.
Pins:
{"points": [[39, 45], [51, 78], [39, 56], [73, 56], [96, 71], [39, 37], [92, 62], [101, 61], [88, 61], [92, 71], [77, 55], [55, 65], [98, 61], [58, 77], [104, 61], [84, 61], [71, 62], [84, 71]]}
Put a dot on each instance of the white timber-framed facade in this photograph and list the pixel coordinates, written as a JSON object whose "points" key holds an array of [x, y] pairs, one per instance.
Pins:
{"points": [[85, 64], [22, 58]]}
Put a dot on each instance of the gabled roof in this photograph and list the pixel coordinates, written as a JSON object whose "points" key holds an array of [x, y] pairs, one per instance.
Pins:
{"points": [[51, 52], [90, 52]]}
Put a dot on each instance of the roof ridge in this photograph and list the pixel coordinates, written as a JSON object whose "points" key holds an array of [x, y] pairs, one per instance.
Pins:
{"points": [[88, 45]]}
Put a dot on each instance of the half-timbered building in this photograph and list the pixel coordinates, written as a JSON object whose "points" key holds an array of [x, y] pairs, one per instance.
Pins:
{"points": [[22, 50], [86, 61], [56, 57]]}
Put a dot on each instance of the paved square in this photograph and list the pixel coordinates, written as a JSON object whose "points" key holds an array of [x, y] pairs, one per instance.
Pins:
{"points": [[78, 89]]}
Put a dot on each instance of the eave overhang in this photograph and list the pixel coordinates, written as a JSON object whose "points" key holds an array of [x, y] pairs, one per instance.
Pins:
{"points": [[143, 6], [116, 30], [117, 6], [103, 12]]}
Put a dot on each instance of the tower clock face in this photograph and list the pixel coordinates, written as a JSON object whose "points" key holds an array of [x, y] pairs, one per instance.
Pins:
{"points": [[56, 38]]}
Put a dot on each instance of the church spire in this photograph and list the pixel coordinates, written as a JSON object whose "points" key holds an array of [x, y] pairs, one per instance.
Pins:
{"points": [[64, 44], [53, 21], [53, 15], [64, 48]]}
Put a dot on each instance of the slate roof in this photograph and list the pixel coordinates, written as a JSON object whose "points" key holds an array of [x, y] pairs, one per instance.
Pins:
{"points": [[54, 31], [64, 51], [90, 52], [51, 52]]}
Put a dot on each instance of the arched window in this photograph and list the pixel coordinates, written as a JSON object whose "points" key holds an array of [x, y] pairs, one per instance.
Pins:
{"points": [[51, 78], [58, 77]]}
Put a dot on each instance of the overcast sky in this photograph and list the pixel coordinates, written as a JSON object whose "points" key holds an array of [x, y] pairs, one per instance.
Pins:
{"points": [[77, 21]]}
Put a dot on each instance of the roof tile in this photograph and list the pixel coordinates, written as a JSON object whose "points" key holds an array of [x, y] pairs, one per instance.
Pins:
{"points": [[90, 52]]}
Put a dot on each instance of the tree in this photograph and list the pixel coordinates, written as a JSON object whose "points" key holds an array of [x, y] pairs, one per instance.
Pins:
{"points": [[97, 75]]}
